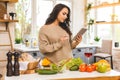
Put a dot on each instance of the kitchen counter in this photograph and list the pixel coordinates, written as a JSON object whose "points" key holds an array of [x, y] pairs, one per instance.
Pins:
{"points": [[23, 48], [87, 45], [77, 52], [116, 48], [70, 75]]}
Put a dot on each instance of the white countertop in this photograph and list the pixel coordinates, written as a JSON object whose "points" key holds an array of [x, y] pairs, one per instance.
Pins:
{"points": [[116, 48], [23, 48], [66, 74], [87, 45]]}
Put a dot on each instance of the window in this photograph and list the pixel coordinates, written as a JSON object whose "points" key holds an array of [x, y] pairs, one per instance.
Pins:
{"points": [[23, 10], [104, 31], [117, 26], [44, 7], [107, 30], [32, 18], [43, 10]]}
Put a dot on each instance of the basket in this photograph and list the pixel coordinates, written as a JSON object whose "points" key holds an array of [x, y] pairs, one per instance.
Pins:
{"points": [[2, 11]]}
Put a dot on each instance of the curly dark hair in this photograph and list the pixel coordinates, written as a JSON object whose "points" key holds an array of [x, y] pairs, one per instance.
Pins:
{"points": [[53, 16]]}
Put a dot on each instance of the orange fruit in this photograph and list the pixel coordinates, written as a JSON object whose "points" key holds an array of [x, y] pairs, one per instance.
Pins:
{"points": [[46, 62]]}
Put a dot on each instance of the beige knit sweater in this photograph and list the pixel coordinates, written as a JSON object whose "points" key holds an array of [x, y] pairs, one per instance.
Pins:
{"points": [[50, 46]]}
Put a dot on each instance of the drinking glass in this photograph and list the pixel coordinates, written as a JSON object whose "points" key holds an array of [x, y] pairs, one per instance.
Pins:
{"points": [[88, 54]]}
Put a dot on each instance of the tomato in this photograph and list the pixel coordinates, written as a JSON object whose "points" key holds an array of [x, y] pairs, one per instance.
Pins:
{"points": [[82, 67], [94, 67], [89, 68]]}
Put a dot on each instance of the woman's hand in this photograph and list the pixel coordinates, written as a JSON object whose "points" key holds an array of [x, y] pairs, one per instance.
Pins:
{"points": [[79, 38], [76, 41]]}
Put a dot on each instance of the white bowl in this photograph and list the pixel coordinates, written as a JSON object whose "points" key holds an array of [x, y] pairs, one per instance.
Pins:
{"points": [[23, 65]]}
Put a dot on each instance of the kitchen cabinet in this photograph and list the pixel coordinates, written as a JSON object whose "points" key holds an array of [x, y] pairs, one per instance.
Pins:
{"points": [[7, 21], [9, 1], [79, 52], [32, 51]]}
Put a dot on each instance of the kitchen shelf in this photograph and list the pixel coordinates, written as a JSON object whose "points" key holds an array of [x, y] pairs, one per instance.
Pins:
{"points": [[2, 20], [5, 44], [106, 5], [4, 0], [13, 1], [3, 31], [112, 22], [8, 20]]}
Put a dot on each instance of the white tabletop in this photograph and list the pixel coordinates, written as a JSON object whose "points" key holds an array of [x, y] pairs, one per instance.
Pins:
{"points": [[66, 74]]}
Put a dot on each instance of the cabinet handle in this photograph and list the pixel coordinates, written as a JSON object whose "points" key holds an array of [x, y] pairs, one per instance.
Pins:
{"points": [[34, 54], [73, 54], [79, 50]]}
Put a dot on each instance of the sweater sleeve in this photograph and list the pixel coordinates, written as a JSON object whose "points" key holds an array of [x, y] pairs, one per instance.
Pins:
{"points": [[45, 46]]}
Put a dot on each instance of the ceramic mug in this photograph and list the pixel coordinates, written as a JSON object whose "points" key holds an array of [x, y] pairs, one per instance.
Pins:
{"points": [[13, 15], [5, 16], [116, 44]]}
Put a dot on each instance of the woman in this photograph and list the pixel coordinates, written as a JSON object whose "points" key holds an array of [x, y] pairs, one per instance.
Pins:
{"points": [[55, 35]]}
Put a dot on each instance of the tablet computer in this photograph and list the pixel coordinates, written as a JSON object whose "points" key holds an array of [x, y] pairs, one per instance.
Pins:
{"points": [[81, 32]]}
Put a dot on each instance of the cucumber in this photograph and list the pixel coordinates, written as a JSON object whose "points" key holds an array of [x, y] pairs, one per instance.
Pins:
{"points": [[46, 71], [74, 68]]}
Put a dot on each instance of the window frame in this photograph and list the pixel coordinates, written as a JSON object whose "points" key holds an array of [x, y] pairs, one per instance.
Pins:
{"points": [[34, 15]]}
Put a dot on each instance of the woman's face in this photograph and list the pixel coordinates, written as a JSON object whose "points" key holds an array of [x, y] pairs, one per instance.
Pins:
{"points": [[62, 16]]}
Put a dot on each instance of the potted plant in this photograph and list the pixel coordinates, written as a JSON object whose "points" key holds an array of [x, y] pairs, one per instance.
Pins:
{"points": [[97, 39], [18, 40]]}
